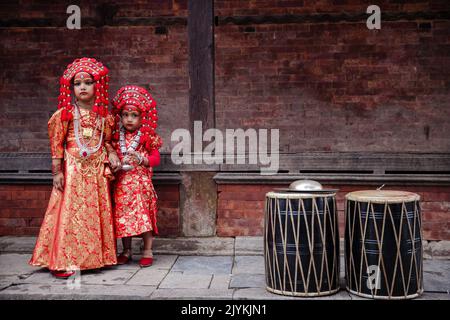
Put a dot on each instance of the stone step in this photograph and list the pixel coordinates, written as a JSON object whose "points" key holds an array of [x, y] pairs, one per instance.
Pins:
{"points": [[214, 246]]}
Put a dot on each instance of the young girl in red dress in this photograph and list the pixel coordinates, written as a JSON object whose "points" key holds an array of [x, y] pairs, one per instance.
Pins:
{"points": [[136, 144], [77, 232]]}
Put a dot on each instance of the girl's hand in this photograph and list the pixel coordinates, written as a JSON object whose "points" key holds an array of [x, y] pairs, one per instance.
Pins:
{"points": [[58, 181], [114, 161], [135, 157]]}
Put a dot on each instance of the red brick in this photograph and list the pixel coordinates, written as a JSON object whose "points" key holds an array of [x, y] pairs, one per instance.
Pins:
{"points": [[35, 222], [21, 213], [436, 196], [168, 204], [24, 204], [240, 205], [432, 216], [28, 231], [25, 195], [436, 234], [243, 195], [435, 206], [13, 222], [240, 214], [11, 231], [5, 195], [39, 187], [168, 195], [7, 187]]}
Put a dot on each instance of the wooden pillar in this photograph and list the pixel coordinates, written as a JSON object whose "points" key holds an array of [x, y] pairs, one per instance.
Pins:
{"points": [[201, 62], [198, 192]]}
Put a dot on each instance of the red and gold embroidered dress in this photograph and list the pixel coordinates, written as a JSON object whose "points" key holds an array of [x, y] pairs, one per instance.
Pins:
{"points": [[78, 229], [134, 195]]}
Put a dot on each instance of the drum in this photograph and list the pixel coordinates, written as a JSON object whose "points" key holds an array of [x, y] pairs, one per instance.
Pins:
{"points": [[383, 244], [301, 243]]}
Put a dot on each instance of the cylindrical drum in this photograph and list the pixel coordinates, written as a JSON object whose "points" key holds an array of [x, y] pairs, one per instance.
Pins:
{"points": [[301, 243], [383, 244]]}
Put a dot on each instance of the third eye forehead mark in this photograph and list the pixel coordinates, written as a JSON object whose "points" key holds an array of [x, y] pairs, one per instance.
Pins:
{"points": [[132, 113], [87, 81]]}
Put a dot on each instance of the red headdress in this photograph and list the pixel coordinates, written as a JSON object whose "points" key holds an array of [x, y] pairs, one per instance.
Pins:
{"points": [[142, 100], [100, 74]]}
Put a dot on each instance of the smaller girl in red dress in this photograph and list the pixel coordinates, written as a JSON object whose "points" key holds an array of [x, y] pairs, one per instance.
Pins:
{"points": [[136, 144]]}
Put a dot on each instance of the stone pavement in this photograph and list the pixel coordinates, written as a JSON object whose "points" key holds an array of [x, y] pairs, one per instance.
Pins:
{"points": [[184, 268]]}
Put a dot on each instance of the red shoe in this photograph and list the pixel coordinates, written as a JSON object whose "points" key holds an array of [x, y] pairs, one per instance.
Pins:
{"points": [[123, 259], [62, 274], [146, 262]]}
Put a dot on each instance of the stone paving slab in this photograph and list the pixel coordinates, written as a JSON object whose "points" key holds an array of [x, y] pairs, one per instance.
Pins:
{"points": [[248, 264], [102, 277], [160, 261], [180, 280], [175, 277], [148, 277], [6, 281], [108, 276], [220, 281], [204, 265], [164, 261], [436, 276], [15, 264], [35, 291], [11, 244], [434, 296], [189, 294], [248, 281]]}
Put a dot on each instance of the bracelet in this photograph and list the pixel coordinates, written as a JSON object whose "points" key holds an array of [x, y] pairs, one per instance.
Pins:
{"points": [[141, 158], [56, 169]]}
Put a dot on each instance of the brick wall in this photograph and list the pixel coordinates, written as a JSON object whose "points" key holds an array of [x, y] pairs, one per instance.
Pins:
{"points": [[241, 208], [22, 208], [336, 86], [33, 58], [56, 10], [326, 81], [283, 7]]}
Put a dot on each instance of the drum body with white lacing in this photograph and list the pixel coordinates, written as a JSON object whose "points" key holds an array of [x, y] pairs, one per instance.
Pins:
{"points": [[383, 244], [301, 243]]}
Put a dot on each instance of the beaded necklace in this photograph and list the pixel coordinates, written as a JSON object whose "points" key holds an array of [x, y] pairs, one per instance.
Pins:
{"points": [[133, 145], [85, 149]]}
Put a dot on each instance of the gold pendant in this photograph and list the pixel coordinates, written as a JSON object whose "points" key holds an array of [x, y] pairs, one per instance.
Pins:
{"points": [[87, 132]]}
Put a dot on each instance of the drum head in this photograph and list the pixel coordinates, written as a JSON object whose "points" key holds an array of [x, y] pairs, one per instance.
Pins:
{"points": [[305, 191], [381, 196]]}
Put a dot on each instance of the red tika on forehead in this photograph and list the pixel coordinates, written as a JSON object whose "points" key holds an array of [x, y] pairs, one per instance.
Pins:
{"points": [[132, 107], [82, 75]]}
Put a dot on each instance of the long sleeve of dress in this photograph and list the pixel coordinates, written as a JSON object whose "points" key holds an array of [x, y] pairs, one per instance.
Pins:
{"points": [[154, 159], [155, 142], [57, 132], [109, 126]]}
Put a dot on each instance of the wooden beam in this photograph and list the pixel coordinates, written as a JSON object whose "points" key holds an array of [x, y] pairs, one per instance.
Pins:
{"points": [[201, 62]]}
